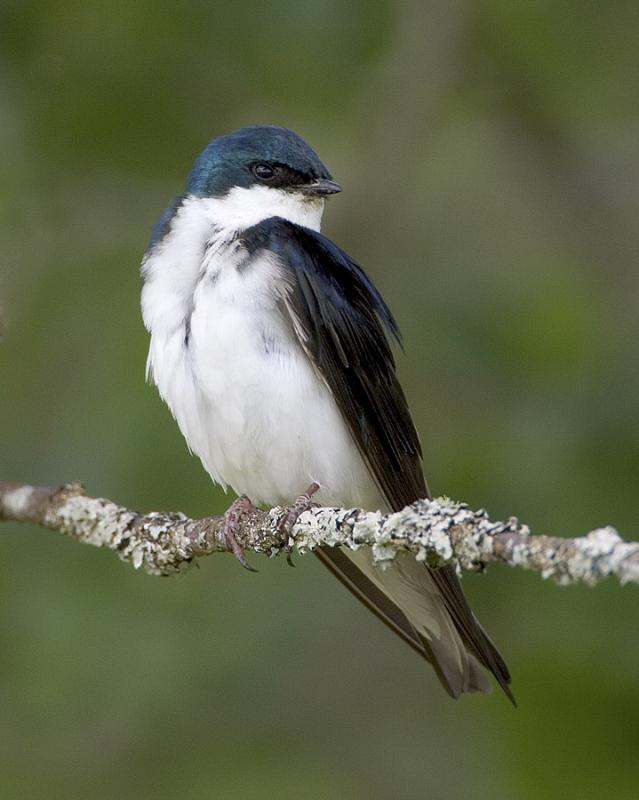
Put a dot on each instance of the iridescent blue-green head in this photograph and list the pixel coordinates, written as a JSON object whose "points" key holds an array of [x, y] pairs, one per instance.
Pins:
{"points": [[260, 155], [257, 172]]}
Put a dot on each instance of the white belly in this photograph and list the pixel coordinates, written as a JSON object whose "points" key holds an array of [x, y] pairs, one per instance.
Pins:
{"points": [[248, 400]]}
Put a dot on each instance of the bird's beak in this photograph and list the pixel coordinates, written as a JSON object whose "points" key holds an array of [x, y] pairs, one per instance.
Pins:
{"points": [[321, 186]]}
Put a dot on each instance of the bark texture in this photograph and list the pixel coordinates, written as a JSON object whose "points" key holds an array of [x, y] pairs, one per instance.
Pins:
{"points": [[439, 532]]}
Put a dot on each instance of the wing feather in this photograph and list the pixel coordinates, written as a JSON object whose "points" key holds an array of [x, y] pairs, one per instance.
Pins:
{"points": [[340, 320]]}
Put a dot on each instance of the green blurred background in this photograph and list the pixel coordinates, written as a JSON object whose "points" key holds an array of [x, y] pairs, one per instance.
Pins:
{"points": [[490, 157]]}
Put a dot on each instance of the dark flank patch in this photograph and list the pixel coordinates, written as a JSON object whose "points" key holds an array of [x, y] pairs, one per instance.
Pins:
{"points": [[187, 331], [163, 225]]}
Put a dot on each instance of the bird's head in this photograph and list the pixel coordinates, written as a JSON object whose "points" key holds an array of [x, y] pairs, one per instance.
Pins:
{"points": [[260, 156], [253, 174]]}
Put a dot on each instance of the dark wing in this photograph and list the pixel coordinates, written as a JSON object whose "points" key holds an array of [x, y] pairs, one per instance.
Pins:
{"points": [[339, 318]]}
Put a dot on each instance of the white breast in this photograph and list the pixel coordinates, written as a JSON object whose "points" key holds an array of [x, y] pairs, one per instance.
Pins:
{"points": [[244, 394]]}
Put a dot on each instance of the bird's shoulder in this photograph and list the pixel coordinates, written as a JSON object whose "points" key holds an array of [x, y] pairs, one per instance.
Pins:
{"points": [[327, 272]]}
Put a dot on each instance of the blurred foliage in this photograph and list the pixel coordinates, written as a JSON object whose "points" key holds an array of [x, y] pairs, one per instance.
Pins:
{"points": [[490, 157]]}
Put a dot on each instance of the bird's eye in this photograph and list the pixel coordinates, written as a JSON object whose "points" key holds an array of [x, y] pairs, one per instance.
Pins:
{"points": [[263, 172]]}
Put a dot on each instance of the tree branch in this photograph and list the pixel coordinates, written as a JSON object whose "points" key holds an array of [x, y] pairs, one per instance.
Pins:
{"points": [[438, 532]]}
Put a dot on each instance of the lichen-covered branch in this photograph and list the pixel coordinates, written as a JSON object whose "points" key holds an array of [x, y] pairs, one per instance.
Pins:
{"points": [[438, 532]]}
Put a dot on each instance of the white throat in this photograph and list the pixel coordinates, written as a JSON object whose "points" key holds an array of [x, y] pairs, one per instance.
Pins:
{"points": [[242, 208]]}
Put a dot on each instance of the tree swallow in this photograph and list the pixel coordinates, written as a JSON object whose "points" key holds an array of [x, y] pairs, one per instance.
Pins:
{"points": [[268, 343]]}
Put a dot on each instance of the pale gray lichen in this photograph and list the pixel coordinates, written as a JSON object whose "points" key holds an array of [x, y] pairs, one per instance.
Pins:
{"points": [[435, 531], [17, 500]]}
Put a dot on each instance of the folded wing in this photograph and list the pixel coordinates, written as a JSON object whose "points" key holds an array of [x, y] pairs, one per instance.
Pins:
{"points": [[340, 319]]}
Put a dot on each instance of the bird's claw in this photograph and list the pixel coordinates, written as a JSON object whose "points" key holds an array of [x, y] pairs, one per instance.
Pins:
{"points": [[291, 514], [230, 526]]}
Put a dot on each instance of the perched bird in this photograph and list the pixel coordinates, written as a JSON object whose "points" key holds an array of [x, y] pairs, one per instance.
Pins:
{"points": [[268, 343]]}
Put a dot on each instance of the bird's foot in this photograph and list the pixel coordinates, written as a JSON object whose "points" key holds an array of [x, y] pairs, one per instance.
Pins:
{"points": [[291, 514], [230, 528]]}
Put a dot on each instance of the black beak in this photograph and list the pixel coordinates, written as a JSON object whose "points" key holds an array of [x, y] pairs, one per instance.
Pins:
{"points": [[321, 186]]}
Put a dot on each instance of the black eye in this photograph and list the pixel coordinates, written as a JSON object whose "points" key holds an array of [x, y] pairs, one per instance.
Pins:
{"points": [[263, 172]]}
